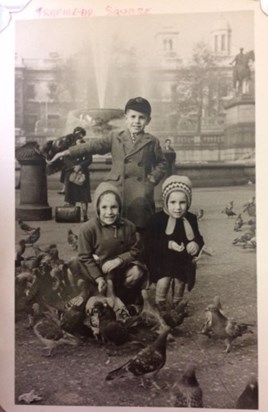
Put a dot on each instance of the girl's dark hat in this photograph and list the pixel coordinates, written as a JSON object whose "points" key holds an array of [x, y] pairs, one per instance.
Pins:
{"points": [[139, 104]]}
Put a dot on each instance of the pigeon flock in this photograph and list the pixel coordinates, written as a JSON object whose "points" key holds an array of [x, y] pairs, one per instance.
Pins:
{"points": [[48, 294]]}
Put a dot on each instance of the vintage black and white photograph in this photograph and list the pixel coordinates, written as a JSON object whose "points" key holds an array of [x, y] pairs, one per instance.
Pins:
{"points": [[135, 211]]}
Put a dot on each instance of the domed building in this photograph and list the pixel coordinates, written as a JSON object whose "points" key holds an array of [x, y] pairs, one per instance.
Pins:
{"points": [[221, 33]]}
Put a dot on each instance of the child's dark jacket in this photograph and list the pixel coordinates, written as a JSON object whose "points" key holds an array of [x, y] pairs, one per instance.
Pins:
{"points": [[161, 260]]}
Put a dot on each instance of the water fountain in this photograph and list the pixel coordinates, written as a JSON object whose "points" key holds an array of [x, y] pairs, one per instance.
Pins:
{"points": [[96, 121]]}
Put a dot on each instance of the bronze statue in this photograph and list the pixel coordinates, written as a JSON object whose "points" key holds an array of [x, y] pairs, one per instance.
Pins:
{"points": [[241, 72]]}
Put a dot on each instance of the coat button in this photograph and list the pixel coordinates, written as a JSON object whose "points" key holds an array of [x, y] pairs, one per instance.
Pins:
{"points": [[139, 179], [139, 164]]}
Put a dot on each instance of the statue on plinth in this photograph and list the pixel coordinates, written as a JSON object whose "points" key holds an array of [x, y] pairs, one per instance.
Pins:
{"points": [[242, 72]]}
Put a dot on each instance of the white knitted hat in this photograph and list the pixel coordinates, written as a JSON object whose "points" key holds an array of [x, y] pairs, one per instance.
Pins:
{"points": [[174, 183]]}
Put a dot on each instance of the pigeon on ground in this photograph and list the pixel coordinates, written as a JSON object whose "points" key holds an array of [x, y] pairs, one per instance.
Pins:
{"points": [[174, 316], [238, 223], [217, 324], [112, 330], [243, 239], [250, 244], [25, 227], [229, 212], [150, 314], [33, 237], [72, 239], [20, 249], [186, 393], [200, 214], [249, 398], [148, 360], [52, 335]]}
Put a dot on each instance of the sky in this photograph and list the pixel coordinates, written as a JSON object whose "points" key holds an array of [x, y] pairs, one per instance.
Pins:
{"points": [[37, 38]]}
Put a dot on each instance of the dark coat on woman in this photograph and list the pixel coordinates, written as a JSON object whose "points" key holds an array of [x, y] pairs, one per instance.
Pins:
{"points": [[73, 192], [131, 165], [161, 260]]}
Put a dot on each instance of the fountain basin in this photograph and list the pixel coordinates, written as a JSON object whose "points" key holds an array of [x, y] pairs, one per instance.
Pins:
{"points": [[95, 121]]}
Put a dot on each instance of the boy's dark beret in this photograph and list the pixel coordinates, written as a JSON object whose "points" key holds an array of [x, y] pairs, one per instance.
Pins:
{"points": [[139, 104]]}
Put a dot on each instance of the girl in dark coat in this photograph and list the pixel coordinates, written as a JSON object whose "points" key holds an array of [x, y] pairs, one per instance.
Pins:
{"points": [[172, 240]]}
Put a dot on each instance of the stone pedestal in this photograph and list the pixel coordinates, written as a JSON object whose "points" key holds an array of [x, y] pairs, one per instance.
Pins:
{"points": [[33, 184], [239, 134]]}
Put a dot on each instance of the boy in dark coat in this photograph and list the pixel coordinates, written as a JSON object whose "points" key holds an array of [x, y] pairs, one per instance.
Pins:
{"points": [[138, 163], [172, 240]]}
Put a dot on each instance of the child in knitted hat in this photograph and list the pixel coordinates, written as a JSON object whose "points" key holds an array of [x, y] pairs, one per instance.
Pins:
{"points": [[108, 252], [172, 240]]}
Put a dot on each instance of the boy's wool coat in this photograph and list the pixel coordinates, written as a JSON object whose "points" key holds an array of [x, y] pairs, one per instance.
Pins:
{"points": [[131, 165]]}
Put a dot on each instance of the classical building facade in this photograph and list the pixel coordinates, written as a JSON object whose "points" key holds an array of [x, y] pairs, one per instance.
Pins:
{"points": [[199, 118]]}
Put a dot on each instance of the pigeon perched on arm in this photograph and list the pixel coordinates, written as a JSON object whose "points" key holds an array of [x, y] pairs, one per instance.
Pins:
{"points": [[249, 398], [186, 393], [147, 361]]}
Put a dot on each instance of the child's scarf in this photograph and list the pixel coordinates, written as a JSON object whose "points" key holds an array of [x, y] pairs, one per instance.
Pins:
{"points": [[187, 227]]}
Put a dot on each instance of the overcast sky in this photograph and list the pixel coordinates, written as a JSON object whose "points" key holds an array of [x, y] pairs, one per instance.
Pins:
{"points": [[36, 38]]}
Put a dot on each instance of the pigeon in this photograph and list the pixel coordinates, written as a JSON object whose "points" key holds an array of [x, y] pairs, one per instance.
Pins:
{"points": [[28, 397], [200, 214], [217, 324], [248, 399], [52, 335], [204, 250], [72, 321], [238, 223], [25, 227], [148, 360], [72, 239], [250, 244], [243, 239], [112, 330], [229, 211], [186, 393], [33, 237], [20, 249], [175, 316], [151, 314]]}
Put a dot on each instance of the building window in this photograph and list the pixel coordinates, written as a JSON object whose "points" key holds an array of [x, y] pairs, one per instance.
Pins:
{"points": [[30, 91], [223, 44], [30, 121], [216, 43]]}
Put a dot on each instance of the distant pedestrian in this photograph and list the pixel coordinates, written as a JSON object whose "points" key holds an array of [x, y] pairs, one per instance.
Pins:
{"points": [[76, 179], [170, 155]]}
